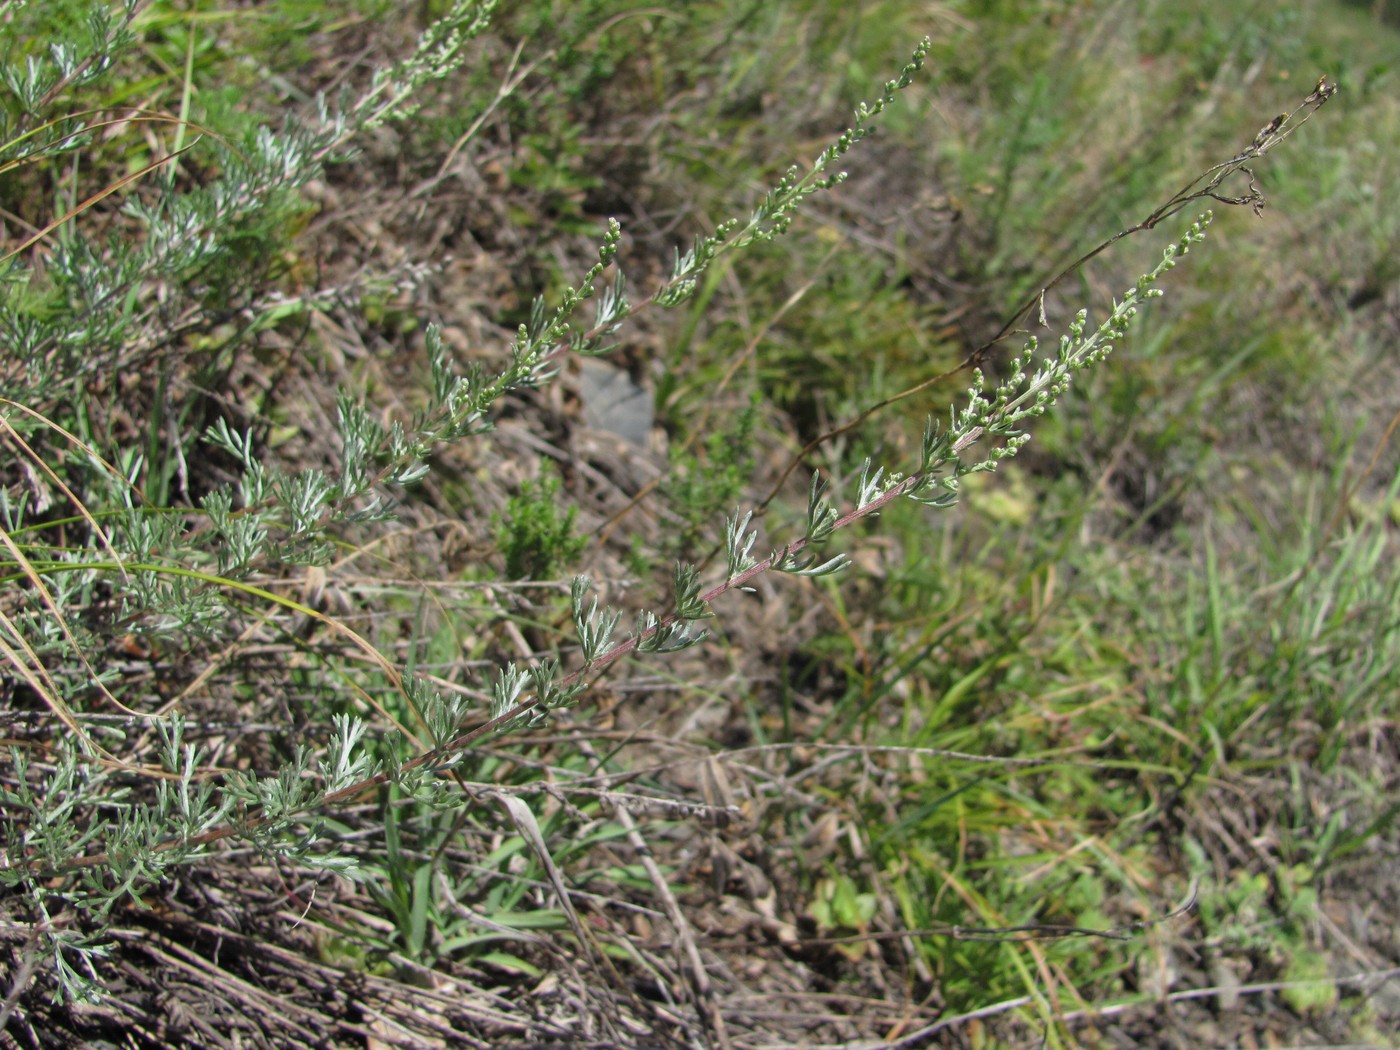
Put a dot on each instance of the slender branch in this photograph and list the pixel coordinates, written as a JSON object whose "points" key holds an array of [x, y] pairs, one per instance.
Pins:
{"points": [[1205, 186]]}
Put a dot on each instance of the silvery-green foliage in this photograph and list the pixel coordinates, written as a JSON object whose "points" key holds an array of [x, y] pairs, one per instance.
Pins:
{"points": [[690, 605], [274, 812], [773, 214], [48, 822], [551, 692], [594, 626], [393, 90], [997, 416], [190, 805], [822, 515], [738, 544], [443, 715], [657, 635], [1025, 395], [78, 61], [105, 305], [346, 762]]}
